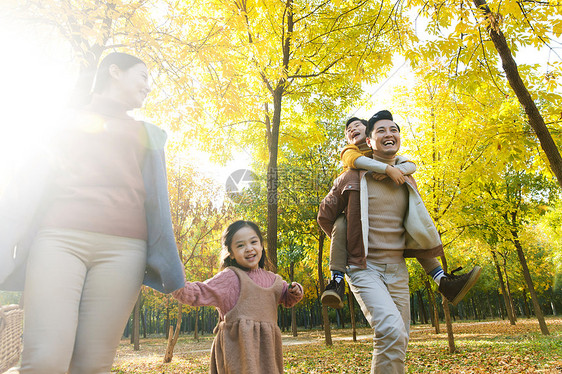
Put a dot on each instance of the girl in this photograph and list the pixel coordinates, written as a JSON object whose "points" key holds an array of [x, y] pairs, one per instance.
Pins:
{"points": [[246, 296], [101, 228]]}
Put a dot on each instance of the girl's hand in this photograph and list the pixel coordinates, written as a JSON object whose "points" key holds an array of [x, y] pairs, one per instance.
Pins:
{"points": [[295, 289]]}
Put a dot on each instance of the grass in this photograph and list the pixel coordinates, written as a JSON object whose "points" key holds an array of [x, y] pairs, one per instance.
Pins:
{"points": [[482, 347]]}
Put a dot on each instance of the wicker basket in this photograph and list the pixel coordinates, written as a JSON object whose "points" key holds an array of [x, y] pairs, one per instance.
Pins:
{"points": [[11, 327]]}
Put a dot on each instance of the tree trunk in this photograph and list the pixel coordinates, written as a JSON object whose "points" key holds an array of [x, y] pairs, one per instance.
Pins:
{"points": [[447, 312], [143, 321], [173, 337], [351, 304], [450, 335], [167, 324], [196, 328], [508, 289], [325, 318], [433, 305], [273, 140], [293, 311], [505, 294], [413, 314], [530, 285], [474, 309], [273, 179], [512, 74], [500, 307], [423, 315], [489, 303], [136, 324], [282, 314], [294, 321], [526, 304]]}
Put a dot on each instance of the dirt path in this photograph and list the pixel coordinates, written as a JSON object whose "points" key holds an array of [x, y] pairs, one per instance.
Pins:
{"points": [[155, 347]]}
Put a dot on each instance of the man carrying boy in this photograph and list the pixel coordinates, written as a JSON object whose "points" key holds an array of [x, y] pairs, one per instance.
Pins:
{"points": [[358, 155], [386, 222]]}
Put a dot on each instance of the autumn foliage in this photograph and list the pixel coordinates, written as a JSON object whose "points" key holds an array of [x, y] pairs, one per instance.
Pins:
{"points": [[273, 83]]}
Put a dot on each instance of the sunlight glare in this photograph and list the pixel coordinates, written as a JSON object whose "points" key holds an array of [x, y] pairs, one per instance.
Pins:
{"points": [[36, 78]]}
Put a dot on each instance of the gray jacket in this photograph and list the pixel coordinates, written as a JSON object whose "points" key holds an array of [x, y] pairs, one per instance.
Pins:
{"points": [[21, 212]]}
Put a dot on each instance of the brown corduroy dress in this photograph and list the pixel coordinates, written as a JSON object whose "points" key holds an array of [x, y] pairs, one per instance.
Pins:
{"points": [[248, 340]]}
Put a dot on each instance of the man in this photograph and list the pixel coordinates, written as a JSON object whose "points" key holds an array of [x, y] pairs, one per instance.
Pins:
{"points": [[356, 155], [386, 222]]}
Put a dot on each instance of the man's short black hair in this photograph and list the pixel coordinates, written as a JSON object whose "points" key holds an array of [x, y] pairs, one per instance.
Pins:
{"points": [[382, 114], [353, 119]]}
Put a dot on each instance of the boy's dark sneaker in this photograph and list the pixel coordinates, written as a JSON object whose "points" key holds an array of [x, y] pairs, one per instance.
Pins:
{"points": [[333, 295], [454, 287]]}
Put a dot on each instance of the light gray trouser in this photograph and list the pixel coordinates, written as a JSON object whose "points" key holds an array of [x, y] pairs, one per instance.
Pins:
{"points": [[79, 292], [338, 249], [382, 292], [338, 245]]}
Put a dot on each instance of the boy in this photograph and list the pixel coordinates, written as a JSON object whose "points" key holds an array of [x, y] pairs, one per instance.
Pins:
{"points": [[358, 155]]}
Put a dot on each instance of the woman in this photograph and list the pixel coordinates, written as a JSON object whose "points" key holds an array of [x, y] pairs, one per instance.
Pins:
{"points": [[100, 228]]}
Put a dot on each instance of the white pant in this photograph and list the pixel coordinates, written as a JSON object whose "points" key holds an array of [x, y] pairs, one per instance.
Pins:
{"points": [[383, 294], [79, 292]]}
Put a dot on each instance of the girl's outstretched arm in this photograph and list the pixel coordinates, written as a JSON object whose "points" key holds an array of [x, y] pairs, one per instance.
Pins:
{"points": [[219, 291]]}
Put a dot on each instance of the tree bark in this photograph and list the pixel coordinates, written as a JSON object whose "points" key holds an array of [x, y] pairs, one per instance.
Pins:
{"points": [[273, 143], [351, 304], [530, 285], [526, 304], [434, 313], [272, 182], [423, 315], [196, 328], [173, 337], [504, 292], [136, 324], [325, 318], [293, 310], [510, 68], [448, 323], [447, 312], [143, 320], [508, 289], [499, 302]]}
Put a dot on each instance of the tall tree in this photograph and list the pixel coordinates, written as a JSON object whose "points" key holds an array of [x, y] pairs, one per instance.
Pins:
{"points": [[493, 24], [513, 203], [468, 36], [154, 30], [279, 66], [450, 150], [198, 217]]}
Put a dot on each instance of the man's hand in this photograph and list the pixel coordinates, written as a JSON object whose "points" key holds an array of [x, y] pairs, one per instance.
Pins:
{"points": [[395, 174]]}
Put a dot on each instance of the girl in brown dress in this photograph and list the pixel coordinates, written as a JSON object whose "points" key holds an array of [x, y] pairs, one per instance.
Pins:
{"points": [[246, 296]]}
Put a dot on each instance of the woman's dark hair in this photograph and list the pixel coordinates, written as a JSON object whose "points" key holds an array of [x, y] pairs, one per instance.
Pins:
{"points": [[123, 60], [226, 240]]}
